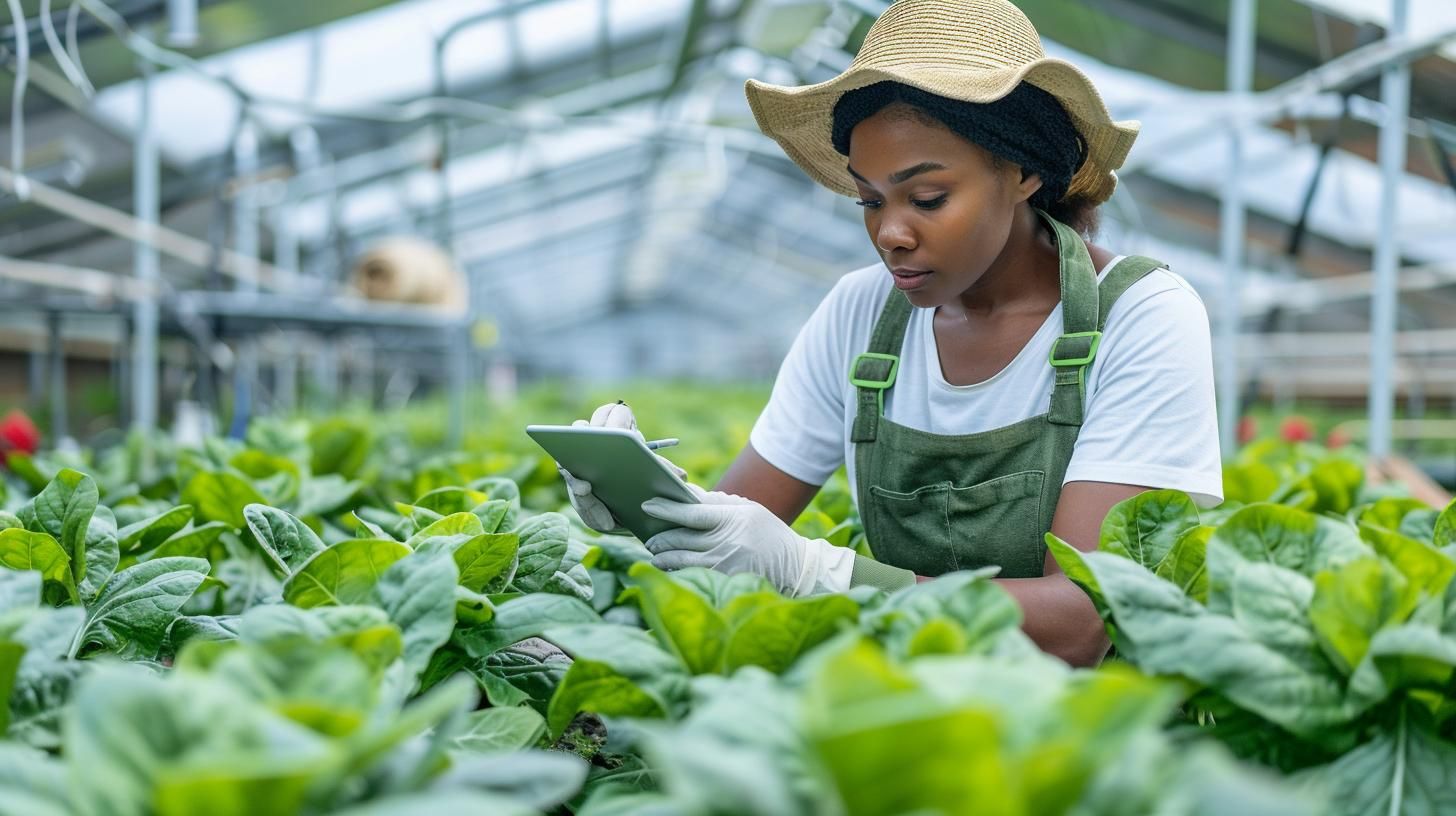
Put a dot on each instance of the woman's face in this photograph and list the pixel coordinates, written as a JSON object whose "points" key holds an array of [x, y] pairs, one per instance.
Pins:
{"points": [[937, 207]]}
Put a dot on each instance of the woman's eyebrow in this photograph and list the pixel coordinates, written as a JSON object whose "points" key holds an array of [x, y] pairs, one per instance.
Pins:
{"points": [[903, 175]]}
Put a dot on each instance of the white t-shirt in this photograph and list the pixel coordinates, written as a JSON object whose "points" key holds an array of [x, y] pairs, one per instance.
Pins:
{"points": [[1149, 413]]}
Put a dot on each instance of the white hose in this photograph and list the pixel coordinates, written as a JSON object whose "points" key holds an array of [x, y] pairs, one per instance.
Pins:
{"points": [[17, 103], [63, 59]]}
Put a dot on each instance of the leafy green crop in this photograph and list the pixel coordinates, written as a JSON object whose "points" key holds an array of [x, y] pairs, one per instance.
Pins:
{"points": [[1319, 643]]}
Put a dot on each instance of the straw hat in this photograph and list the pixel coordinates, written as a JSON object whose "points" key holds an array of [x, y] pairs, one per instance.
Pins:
{"points": [[971, 50]]}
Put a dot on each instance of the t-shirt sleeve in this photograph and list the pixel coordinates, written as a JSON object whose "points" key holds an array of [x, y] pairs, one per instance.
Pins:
{"points": [[1152, 418], [801, 430]]}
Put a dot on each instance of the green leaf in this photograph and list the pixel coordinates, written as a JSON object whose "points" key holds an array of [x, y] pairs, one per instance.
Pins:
{"points": [[865, 753], [1146, 526], [1247, 483], [521, 618], [576, 582], [775, 634], [221, 496], [287, 542], [323, 495], [342, 574], [32, 783], [134, 609], [193, 543], [132, 731], [487, 562], [24, 550], [102, 552], [1426, 567], [1168, 633], [1406, 770], [20, 590], [983, 610], [447, 534], [472, 608], [238, 788], [495, 515], [597, 687], [543, 543], [618, 670], [434, 803], [1336, 484], [493, 730], [149, 533], [64, 509], [339, 446], [1391, 511], [1353, 602], [1289, 538], [450, 500], [418, 592], [1410, 656], [1445, 535], [1185, 564], [719, 588], [683, 621]]}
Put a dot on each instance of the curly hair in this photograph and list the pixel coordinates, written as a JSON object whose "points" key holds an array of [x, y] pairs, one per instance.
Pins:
{"points": [[1028, 127]]}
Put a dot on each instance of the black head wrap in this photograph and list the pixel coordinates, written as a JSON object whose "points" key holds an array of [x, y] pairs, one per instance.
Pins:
{"points": [[1027, 127]]}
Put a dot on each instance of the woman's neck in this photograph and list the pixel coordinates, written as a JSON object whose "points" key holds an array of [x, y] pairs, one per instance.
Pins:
{"points": [[1023, 277]]}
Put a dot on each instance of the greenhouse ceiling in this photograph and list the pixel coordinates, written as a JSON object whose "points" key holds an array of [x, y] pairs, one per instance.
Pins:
{"points": [[604, 145]]}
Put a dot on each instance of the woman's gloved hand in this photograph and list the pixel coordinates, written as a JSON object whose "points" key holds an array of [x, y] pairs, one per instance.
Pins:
{"points": [[732, 534], [593, 513]]}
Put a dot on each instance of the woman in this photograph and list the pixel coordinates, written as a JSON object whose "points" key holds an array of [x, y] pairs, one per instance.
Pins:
{"points": [[1005, 376]]}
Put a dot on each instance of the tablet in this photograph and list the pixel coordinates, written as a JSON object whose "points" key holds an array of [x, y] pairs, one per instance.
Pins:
{"points": [[623, 472]]}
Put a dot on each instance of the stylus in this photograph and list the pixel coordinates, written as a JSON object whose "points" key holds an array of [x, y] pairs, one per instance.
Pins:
{"points": [[661, 443]]}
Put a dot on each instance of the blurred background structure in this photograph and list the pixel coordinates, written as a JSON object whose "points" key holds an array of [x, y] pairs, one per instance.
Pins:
{"points": [[224, 208]]}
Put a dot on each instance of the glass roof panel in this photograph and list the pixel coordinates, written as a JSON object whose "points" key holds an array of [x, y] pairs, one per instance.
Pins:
{"points": [[375, 57]]}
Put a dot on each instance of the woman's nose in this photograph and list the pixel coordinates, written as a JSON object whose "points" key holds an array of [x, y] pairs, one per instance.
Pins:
{"points": [[894, 234]]}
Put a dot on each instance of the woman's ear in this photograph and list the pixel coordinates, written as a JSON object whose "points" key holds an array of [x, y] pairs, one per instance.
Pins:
{"points": [[1029, 184]]}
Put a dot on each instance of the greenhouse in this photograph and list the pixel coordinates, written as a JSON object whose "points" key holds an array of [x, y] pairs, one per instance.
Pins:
{"points": [[728, 407]]}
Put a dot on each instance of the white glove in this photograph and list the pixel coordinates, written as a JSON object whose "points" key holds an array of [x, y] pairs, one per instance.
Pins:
{"points": [[732, 534], [593, 513]]}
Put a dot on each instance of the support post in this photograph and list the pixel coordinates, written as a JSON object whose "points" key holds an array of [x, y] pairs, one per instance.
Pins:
{"points": [[1231, 221], [146, 175], [1395, 94], [459, 380], [57, 348]]}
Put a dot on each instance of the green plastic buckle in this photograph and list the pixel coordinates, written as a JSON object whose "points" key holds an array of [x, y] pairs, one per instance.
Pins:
{"points": [[1080, 361], [879, 384]]}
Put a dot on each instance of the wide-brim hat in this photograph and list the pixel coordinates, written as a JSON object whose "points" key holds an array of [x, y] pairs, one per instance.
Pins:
{"points": [[970, 50]]}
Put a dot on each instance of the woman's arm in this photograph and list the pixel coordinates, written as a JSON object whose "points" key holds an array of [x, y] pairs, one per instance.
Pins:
{"points": [[752, 477], [1058, 614]]}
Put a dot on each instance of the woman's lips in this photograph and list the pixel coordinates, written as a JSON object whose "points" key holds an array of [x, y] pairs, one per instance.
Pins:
{"points": [[906, 279]]}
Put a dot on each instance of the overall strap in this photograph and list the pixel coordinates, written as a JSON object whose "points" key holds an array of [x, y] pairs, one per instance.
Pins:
{"points": [[1119, 279], [1072, 354], [1074, 351], [873, 373]]}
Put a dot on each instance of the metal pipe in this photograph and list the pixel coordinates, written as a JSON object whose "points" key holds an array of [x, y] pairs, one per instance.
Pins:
{"points": [[1395, 94], [245, 204], [182, 23], [146, 174], [56, 345], [1231, 221]]}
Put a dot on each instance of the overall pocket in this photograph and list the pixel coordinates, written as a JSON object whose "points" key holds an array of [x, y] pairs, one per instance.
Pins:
{"points": [[912, 530], [998, 522]]}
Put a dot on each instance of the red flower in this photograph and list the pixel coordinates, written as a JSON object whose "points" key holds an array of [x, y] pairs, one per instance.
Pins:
{"points": [[17, 432], [1248, 430], [1296, 429], [1337, 438]]}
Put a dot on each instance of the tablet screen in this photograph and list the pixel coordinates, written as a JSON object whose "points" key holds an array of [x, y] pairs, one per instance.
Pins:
{"points": [[623, 472]]}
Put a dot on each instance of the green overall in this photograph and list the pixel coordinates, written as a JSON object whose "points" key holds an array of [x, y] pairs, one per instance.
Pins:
{"points": [[934, 504]]}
